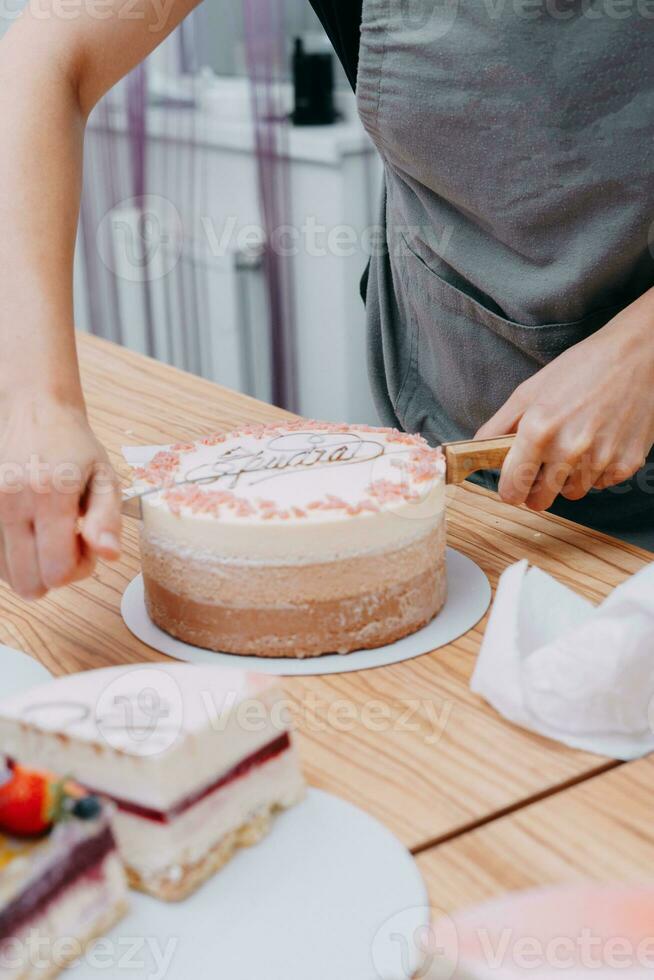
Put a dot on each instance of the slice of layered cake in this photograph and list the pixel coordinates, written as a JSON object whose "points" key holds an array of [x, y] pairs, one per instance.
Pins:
{"points": [[62, 883], [295, 539], [195, 760]]}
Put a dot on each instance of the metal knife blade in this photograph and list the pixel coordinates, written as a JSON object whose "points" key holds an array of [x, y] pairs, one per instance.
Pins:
{"points": [[132, 502], [132, 505]]}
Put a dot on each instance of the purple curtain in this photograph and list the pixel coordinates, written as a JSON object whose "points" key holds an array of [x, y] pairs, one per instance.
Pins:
{"points": [[267, 53], [117, 175], [137, 104]]}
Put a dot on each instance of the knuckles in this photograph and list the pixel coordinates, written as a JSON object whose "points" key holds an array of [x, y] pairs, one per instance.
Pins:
{"points": [[539, 427], [573, 449]]}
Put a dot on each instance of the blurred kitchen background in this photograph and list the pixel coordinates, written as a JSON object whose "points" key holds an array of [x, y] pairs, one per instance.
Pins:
{"points": [[218, 235]]}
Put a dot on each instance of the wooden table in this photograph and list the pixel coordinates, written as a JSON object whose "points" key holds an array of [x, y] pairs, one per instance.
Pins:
{"points": [[600, 830], [440, 763]]}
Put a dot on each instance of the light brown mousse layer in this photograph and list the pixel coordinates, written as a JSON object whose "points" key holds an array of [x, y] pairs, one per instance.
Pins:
{"points": [[297, 610]]}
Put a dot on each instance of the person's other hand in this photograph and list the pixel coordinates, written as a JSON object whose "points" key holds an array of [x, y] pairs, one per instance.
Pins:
{"points": [[586, 420], [59, 500]]}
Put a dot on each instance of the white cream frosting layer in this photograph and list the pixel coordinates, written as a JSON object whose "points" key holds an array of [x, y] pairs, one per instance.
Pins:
{"points": [[156, 849], [306, 492], [151, 735]]}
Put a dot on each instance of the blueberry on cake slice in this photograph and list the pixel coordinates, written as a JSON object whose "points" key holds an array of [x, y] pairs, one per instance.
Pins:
{"points": [[194, 760], [62, 883]]}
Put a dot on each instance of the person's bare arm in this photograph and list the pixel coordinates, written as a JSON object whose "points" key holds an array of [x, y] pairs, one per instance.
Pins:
{"points": [[53, 70]]}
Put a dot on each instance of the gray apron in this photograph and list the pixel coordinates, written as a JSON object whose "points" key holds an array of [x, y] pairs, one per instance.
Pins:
{"points": [[518, 148]]}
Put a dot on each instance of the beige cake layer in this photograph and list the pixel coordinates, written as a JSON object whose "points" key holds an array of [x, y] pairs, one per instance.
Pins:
{"points": [[208, 578], [192, 876], [297, 610]]}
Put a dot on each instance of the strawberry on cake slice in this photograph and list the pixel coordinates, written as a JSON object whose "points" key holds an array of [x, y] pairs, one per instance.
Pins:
{"points": [[62, 883], [195, 760]]}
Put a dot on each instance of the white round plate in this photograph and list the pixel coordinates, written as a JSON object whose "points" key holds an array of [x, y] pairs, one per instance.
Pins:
{"points": [[18, 672], [318, 898], [469, 596]]}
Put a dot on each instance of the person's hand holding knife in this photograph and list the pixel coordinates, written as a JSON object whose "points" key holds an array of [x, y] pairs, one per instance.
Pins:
{"points": [[584, 421]]}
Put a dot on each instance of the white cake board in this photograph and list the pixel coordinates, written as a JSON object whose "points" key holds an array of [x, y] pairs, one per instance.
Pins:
{"points": [[316, 899], [469, 596], [18, 672]]}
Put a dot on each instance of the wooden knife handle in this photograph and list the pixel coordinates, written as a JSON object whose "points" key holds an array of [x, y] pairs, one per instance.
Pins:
{"points": [[465, 458]]}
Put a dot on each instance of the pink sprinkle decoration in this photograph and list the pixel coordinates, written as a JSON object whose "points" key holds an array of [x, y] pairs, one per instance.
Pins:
{"points": [[422, 464]]}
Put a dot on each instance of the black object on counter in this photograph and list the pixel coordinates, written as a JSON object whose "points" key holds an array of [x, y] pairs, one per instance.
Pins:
{"points": [[313, 79]]}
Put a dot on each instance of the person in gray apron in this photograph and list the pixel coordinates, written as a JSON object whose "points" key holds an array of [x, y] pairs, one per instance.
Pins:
{"points": [[519, 178], [513, 290]]}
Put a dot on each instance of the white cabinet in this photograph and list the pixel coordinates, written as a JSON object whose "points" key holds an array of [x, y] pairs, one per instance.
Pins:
{"points": [[202, 167]]}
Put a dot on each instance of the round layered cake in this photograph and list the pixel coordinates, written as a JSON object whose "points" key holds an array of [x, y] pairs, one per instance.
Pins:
{"points": [[294, 540]]}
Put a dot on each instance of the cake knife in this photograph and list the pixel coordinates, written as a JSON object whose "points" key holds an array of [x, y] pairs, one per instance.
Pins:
{"points": [[462, 458], [132, 502], [468, 457]]}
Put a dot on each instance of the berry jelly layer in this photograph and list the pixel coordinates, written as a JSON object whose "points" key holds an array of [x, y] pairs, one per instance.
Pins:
{"points": [[81, 860], [243, 768]]}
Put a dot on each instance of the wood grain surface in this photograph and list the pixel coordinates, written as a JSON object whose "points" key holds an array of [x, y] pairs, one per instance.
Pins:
{"points": [[600, 830], [408, 743]]}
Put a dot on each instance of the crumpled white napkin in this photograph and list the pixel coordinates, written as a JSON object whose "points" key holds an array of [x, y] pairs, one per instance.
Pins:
{"points": [[557, 665]]}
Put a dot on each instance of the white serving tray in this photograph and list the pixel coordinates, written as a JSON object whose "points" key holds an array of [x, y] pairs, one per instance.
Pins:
{"points": [[469, 596], [316, 900]]}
